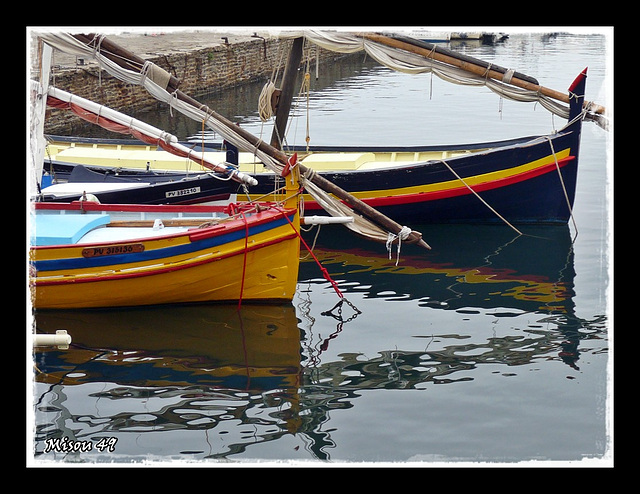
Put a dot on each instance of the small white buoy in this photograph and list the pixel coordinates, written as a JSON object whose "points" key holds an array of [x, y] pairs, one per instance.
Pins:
{"points": [[61, 339], [158, 224]]}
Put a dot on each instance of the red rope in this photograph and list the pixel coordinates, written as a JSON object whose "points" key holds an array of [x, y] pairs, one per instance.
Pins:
{"points": [[323, 270], [244, 261]]}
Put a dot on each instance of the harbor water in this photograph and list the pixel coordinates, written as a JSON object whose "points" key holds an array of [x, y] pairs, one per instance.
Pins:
{"points": [[492, 348]]}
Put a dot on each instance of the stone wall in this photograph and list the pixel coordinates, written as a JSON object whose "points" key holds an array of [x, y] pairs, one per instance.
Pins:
{"points": [[200, 71]]}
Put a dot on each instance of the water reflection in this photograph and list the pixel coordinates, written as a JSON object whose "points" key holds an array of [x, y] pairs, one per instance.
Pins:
{"points": [[218, 381], [160, 369], [476, 271], [469, 267]]}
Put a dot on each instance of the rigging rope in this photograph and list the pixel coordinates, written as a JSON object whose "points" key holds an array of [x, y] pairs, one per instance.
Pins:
{"points": [[306, 89], [323, 270], [481, 199], [244, 260], [564, 189]]}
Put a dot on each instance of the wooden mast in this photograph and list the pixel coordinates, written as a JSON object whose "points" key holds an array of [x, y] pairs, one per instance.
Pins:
{"points": [[286, 97], [355, 203]]}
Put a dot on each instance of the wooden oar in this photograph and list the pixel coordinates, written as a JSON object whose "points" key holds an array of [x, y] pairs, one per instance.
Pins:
{"points": [[465, 64], [135, 63]]}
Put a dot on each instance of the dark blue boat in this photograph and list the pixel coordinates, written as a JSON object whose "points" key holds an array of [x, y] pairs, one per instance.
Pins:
{"points": [[525, 180]]}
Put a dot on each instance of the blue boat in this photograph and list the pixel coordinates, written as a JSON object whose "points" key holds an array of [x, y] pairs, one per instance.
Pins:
{"points": [[524, 180], [528, 180]]}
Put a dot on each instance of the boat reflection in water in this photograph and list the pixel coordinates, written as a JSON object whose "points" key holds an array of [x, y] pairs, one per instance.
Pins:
{"points": [[161, 369], [209, 382], [470, 266], [474, 271], [436, 318]]}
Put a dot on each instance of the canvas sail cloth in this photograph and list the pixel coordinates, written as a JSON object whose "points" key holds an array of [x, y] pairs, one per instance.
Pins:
{"points": [[410, 63], [155, 80], [118, 122], [38, 105]]}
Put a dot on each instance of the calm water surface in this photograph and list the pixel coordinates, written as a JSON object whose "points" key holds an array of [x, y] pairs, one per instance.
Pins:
{"points": [[491, 348]]}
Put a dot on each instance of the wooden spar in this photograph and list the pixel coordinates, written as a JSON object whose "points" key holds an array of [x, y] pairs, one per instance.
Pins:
{"points": [[119, 55], [355, 203], [288, 86], [463, 57], [323, 183], [474, 69]]}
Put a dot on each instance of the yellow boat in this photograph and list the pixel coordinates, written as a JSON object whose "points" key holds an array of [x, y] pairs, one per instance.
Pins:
{"points": [[85, 254]]}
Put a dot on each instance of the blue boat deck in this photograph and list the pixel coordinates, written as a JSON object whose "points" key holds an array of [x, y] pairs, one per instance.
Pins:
{"points": [[54, 229]]}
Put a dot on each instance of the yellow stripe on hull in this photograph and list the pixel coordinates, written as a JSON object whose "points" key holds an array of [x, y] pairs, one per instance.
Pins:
{"points": [[474, 181]]}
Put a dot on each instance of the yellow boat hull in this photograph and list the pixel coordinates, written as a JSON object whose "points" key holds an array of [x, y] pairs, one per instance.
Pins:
{"points": [[251, 258]]}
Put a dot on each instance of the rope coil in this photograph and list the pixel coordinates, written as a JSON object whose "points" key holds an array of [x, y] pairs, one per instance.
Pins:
{"points": [[265, 110]]}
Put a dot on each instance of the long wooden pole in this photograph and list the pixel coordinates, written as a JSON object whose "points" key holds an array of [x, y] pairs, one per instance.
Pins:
{"points": [[473, 68], [355, 203], [120, 56], [326, 185]]}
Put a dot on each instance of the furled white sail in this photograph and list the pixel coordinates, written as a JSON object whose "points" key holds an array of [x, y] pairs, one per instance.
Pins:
{"points": [[411, 63], [108, 118], [152, 80]]}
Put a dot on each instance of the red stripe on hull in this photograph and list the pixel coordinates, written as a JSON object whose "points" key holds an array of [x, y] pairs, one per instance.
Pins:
{"points": [[453, 192]]}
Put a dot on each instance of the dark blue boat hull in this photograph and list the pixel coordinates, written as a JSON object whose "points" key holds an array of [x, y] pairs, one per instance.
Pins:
{"points": [[529, 180]]}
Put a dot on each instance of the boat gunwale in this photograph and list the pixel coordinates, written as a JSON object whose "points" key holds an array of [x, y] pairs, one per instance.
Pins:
{"points": [[452, 160], [226, 225], [216, 146], [477, 149]]}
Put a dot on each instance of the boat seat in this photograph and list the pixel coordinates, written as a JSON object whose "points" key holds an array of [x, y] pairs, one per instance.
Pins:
{"points": [[58, 229]]}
